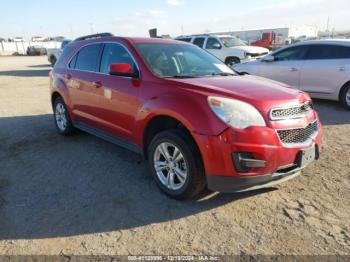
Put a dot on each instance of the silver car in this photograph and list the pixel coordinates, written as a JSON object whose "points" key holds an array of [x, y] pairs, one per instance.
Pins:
{"points": [[319, 67]]}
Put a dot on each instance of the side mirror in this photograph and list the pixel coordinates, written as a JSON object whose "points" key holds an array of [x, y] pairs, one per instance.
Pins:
{"points": [[216, 46], [122, 69], [268, 58]]}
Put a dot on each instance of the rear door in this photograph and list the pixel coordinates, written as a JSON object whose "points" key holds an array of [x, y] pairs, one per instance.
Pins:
{"points": [[286, 67], [326, 68], [83, 83], [119, 97]]}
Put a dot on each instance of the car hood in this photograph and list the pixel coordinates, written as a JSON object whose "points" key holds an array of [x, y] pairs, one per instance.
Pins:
{"points": [[252, 49], [260, 92]]}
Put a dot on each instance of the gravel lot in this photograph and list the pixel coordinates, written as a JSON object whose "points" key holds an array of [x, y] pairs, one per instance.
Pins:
{"points": [[81, 195]]}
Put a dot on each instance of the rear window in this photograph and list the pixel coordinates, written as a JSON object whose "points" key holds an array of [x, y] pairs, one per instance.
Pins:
{"points": [[88, 58], [64, 54]]}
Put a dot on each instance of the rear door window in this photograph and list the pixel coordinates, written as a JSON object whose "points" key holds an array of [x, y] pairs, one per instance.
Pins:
{"points": [[199, 41], [88, 58], [115, 53], [321, 52]]}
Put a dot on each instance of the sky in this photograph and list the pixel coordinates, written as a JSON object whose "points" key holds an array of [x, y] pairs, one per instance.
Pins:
{"points": [[72, 18]]}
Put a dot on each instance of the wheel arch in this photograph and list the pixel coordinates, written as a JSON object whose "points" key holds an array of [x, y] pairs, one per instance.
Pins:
{"points": [[189, 110], [341, 90], [54, 96], [159, 123]]}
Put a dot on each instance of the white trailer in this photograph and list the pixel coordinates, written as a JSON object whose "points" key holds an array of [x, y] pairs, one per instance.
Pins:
{"points": [[283, 33]]}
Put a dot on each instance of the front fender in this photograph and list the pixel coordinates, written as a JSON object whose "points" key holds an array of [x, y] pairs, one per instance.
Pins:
{"points": [[235, 53], [191, 110]]}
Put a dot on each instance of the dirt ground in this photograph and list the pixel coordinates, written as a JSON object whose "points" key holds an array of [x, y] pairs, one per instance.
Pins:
{"points": [[82, 195]]}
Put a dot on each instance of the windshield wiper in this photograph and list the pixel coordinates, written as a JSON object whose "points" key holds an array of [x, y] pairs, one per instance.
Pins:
{"points": [[181, 76], [223, 74]]}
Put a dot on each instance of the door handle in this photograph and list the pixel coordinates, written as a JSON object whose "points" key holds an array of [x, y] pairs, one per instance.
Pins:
{"points": [[342, 68], [293, 69], [97, 84]]}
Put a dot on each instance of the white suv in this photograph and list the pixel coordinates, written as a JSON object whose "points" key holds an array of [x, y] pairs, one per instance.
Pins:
{"points": [[227, 48]]}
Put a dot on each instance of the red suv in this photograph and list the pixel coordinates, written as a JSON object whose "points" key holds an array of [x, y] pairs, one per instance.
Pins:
{"points": [[196, 121]]}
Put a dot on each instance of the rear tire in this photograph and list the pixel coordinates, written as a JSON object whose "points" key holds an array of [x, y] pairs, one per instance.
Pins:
{"points": [[345, 97], [62, 119], [176, 164]]}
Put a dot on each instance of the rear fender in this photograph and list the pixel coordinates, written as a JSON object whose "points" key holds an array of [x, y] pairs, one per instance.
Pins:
{"points": [[59, 86]]}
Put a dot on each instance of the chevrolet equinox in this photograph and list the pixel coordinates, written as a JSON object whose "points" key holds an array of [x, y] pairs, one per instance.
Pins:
{"points": [[195, 120]]}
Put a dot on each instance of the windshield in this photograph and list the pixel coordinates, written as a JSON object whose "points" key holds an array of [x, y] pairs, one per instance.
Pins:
{"points": [[181, 60], [232, 41]]}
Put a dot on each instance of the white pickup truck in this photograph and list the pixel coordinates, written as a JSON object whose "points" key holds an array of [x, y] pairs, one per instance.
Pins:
{"points": [[227, 48], [54, 53]]}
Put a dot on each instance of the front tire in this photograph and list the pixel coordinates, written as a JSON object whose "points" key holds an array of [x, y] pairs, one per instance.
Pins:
{"points": [[176, 164], [62, 119], [231, 61], [53, 60], [345, 97]]}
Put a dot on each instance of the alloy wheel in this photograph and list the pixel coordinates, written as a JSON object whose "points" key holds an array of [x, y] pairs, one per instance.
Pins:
{"points": [[347, 97], [170, 166], [60, 116]]}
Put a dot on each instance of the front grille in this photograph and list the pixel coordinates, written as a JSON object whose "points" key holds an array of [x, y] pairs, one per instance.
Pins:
{"points": [[257, 54], [290, 112], [298, 136]]}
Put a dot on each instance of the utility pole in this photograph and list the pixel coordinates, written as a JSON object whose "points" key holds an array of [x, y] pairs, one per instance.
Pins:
{"points": [[327, 30]]}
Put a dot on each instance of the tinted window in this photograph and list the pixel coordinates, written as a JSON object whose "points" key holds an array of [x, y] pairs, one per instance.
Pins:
{"points": [[199, 41], [64, 43], [73, 62], [213, 43], [88, 58], [328, 52], [115, 53], [292, 53], [184, 39], [65, 53], [344, 51]]}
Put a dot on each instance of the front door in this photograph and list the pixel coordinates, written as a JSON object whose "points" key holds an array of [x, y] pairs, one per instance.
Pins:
{"points": [[119, 102], [286, 67], [214, 47]]}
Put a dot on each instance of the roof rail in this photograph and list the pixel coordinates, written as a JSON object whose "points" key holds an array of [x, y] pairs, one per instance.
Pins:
{"points": [[87, 37], [194, 35]]}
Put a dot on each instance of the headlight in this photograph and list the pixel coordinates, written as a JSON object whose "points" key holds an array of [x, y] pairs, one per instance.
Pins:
{"points": [[236, 113]]}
